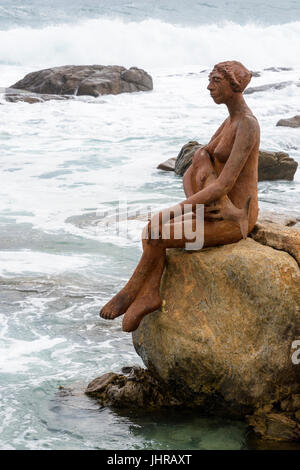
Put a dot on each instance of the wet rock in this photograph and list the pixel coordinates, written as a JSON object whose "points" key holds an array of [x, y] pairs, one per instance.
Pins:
{"points": [[270, 86], [13, 96], [168, 165], [276, 166], [289, 122], [93, 80], [271, 165], [138, 389]]}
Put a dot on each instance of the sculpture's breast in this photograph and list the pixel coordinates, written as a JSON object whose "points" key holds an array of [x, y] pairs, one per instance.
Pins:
{"points": [[220, 147]]}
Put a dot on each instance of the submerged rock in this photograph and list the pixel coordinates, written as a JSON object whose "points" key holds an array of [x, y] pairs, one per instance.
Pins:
{"points": [[289, 122], [93, 80], [13, 96], [271, 165]]}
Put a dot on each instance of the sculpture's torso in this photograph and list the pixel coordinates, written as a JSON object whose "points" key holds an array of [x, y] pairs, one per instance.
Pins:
{"points": [[219, 149]]}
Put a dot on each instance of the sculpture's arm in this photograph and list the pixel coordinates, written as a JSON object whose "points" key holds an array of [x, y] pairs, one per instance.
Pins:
{"points": [[187, 182], [218, 131], [246, 138]]}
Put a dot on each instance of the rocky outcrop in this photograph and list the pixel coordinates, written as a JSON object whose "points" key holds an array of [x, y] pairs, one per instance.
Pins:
{"points": [[93, 80], [225, 332], [223, 340], [135, 388], [270, 86], [271, 165], [289, 122]]}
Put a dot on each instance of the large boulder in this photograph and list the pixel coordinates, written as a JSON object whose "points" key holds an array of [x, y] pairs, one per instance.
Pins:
{"points": [[271, 165], [91, 80], [225, 333]]}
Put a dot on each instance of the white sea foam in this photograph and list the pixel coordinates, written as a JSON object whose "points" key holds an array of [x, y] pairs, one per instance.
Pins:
{"points": [[151, 43]]}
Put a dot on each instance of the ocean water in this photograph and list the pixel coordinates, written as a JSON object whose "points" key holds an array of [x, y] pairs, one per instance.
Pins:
{"points": [[63, 163]]}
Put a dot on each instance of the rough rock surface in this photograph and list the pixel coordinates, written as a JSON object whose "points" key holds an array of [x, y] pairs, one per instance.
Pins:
{"points": [[225, 332], [137, 388], [271, 165], [289, 122], [91, 80], [275, 234]]}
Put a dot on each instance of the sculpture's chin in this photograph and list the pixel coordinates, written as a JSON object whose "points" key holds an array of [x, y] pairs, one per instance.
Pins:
{"points": [[217, 99]]}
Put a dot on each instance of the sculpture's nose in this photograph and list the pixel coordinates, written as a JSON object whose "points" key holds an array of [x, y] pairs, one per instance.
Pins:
{"points": [[210, 87]]}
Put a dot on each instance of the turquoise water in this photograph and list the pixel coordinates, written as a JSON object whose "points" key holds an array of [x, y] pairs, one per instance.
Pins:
{"points": [[64, 163]]}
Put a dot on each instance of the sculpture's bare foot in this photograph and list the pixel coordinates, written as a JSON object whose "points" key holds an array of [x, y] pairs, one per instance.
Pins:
{"points": [[142, 305], [116, 306]]}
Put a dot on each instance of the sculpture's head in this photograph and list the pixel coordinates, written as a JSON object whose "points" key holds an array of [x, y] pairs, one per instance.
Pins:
{"points": [[226, 79]]}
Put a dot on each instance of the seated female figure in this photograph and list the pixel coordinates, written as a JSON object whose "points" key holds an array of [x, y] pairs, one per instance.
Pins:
{"points": [[222, 177]]}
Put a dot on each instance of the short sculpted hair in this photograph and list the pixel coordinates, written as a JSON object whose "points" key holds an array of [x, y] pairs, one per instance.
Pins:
{"points": [[235, 72]]}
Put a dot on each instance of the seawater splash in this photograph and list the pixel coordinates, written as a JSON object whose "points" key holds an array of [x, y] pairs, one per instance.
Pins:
{"points": [[151, 43]]}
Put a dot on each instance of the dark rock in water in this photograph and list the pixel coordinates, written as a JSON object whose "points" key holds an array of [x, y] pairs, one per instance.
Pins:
{"points": [[279, 69], [93, 80], [270, 86], [168, 165], [13, 96], [271, 165], [139, 389], [185, 156], [289, 122], [276, 166]]}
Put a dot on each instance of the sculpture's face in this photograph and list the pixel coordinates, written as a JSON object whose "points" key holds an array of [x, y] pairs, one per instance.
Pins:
{"points": [[219, 87]]}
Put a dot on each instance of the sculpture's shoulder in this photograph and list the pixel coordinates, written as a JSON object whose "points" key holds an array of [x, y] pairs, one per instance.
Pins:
{"points": [[249, 128]]}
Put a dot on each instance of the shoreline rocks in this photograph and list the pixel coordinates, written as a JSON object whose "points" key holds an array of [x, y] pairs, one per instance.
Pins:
{"points": [[271, 165], [270, 86], [92, 80], [13, 95], [222, 341]]}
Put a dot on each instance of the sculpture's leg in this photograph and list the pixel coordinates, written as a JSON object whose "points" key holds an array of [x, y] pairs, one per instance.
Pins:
{"points": [[148, 299], [122, 300]]}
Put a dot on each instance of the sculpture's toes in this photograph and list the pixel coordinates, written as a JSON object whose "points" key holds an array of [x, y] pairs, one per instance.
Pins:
{"points": [[113, 309], [137, 312], [131, 322]]}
